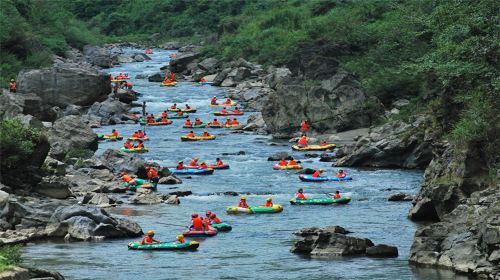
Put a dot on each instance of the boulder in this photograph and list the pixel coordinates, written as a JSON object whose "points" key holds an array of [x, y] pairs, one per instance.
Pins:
{"points": [[255, 123], [139, 58], [179, 63], [208, 64], [157, 77], [148, 198], [171, 45], [71, 136], [327, 157], [42, 274], [172, 199], [400, 196], [241, 74], [279, 156], [169, 180], [278, 77], [228, 82], [382, 251], [15, 273], [122, 58], [98, 199], [181, 193], [109, 109], [221, 76], [55, 187], [98, 56], [64, 84], [118, 161]]}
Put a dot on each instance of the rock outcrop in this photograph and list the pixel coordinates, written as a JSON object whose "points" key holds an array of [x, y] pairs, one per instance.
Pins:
{"points": [[70, 135], [333, 241], [98, 56]]}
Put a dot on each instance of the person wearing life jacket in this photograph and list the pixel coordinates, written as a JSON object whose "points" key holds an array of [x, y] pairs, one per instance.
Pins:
{"points": [[114, 133], [135, 135], [141, 134], [243, 202], [300, 195], [215, 122], [174, 107], [218, 162], [337, 195], [341, 174], [12, 85], [190, 134], [236, 110], [317, 173], [150, 119], [128, 145], [164, 119], [292, 162], [304, 126], [197, 122], [172, 76], [148, 239], [152, 175], [228, 122], [180, 165], [180, 239], [205, 134], [269, 202], [214, 219], [223, 111], [180, 113], [127, 178], [324, 143], [120, 76], [235, 122], [194, 162], [197, 222], [282, 162], [125, 76], [213, 101], [228, 102], [203, 80], [111, 77], [140, 145], [164, 114], [206, 221], [129, 85], [148, 51], [188, 107], [302, 141], [188, 123], [203, 165]]}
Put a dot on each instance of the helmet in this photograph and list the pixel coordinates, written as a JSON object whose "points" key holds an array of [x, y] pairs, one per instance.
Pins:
{"points": [[215, 96], [269, 199], [243, 197], [340, 170], [208, 213], [11, 80], [179, 161], [195, 215], [300, 190], [151, 232], [179, 237], [195, 158]]}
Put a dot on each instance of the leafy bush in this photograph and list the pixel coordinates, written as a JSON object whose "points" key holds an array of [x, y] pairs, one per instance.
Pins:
{"points": [[10, 255], [17, 143]]}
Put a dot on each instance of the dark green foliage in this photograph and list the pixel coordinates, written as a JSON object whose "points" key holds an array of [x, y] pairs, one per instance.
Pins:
{"points": [[10, 255], [17, 144]]}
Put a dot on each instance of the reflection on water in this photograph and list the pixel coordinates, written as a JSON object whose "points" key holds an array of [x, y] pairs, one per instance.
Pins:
{"points": [[258, 246]]}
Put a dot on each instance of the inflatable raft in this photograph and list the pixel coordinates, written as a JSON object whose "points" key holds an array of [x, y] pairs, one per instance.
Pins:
{"points": [[276, 208], [287, 167], [134, 150], [188, 245], [122, 80], [310, 178], [231, 125], [314, 147], [185, 116], [222, 227], [109, 137], [197, 138], [172, 84], [214, 125], [320, 201], [203, 125], [168, 122], [212, 166], [192, 110], [228, 114], [138, 138], [224, 104], [193, 171], [200, 233]]}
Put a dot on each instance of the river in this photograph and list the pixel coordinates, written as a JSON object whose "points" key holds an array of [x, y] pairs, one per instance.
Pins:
{"points": [[258, 246]]}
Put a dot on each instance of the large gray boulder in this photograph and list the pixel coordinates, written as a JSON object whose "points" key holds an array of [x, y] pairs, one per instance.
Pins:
{"points": [[110, 111], [98, 56], [157, 77], [55, 186], [336, 104], [209, 64], [71, 136], [179, 64], [64, 84], [118, 161]]}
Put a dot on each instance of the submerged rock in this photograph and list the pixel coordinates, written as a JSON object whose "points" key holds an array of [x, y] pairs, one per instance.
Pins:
{"points": [[400, 196], [279, 156]]}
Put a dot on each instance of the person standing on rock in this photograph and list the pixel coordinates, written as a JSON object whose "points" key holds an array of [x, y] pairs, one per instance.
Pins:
{"points": [[172, 76], [12, 86], [152, 176], [304, 127]]}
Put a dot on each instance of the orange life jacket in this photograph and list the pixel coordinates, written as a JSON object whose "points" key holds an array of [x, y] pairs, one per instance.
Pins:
{"points": [[190, 135], [197, 223], [152, 173], [269, 204], [316, 173], [302, 141]]}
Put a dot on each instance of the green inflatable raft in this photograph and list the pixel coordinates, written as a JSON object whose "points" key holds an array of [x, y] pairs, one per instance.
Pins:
{"points": [[276, 208], [320, 201], [222, 227], [188, 245]]}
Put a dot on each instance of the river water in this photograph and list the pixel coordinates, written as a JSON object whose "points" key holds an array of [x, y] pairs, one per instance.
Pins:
{"points": [[258, 246]]}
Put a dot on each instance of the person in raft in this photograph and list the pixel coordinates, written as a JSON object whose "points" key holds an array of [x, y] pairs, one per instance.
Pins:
{"points": [[180, 113], [140, 145], [174, 107], [197, 222], [203, 165], [135, 135], [150, 119], [207, 220], [269, 202], [128, 145], [180, 239], [236, 111], [215, 123], [304, 126], [228, 122], [205, 134], [243, 202], [152, 176], [228, 102], [317, 173], [197, 121], [180, 165], [203, 80], [190, 134], [172, 76], [302, 141], [148, 239], [164, 119], [283, 162], [194, 162], [188, 107], [324, 143], [213, 101], [300, 195], [235, 122], [223, 111], [341, 174], [337, 195], [214, 219], [188, 123], [128, 179], [114, 133], [141, 133], [219, 162], [164, 114], [292, 162], [12, 85]]}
